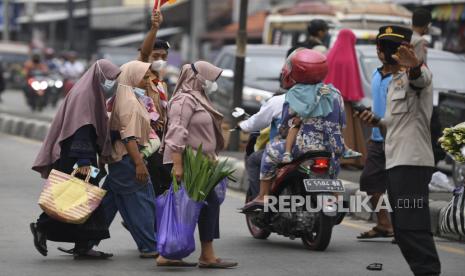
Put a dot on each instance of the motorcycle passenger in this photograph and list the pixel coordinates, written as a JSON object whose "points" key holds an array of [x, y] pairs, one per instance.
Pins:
{"points": [[52, 63], [321, 130]]}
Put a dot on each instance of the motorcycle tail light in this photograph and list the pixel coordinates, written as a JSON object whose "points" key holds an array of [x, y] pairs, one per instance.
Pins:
{"points": [[320, 165]]}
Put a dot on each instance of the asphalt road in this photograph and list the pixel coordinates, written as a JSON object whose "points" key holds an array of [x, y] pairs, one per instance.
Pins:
{"points": [[13, 101], [20, 188]]}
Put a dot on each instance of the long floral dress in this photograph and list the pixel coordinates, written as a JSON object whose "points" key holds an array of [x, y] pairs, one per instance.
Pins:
{"points": [[315, 134]]}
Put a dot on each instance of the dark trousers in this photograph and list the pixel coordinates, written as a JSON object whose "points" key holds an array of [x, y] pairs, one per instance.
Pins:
{"points": [[253, 165], [160, 174], [209, 219], [408, 195]]}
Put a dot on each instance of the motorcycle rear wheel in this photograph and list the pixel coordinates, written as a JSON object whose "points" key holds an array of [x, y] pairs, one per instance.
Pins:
{"points": [[255, 231], [319, 239]]}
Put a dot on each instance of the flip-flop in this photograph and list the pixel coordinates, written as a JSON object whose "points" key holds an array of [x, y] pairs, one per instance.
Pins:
{"points": [[176, 264], [67, 251], [375, 267], [378, 233], [100, 256], [219, 264]]}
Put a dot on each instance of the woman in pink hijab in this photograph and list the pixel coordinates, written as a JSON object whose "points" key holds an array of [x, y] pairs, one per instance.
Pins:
{"points": [[193, 121], [344, 74], [78, 135]]}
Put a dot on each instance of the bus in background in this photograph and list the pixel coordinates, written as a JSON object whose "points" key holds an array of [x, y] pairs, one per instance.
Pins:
{"points": [[287, 26]]}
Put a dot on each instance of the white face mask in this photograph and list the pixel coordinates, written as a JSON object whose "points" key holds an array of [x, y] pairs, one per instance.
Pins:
{"points": [[108, 86], [158, 65], [210, 86]]}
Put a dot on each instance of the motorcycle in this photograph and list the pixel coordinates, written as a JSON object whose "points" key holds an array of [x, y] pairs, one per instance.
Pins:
{"points": [[37, 90], [56, 85], [308, 177]]}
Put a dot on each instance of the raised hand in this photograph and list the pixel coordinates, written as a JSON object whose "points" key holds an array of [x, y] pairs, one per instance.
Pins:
{"points": [[157, 19], [406, 57]]}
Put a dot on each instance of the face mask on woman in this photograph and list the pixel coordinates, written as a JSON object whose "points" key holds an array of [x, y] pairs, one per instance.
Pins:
{"points": [[138, 91], [108, 86], [210, 86], [158, 65]]}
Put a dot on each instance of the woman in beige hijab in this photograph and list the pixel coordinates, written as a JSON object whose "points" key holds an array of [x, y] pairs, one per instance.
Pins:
{"points": [[193, 121], [128, 184]]}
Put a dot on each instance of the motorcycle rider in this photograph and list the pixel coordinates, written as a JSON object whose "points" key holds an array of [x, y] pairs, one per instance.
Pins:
{"points": [[72, 69], [35, 64], [269, 114], [305, 69]]}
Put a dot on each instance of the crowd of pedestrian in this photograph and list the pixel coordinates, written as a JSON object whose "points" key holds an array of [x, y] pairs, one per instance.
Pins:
{"points": [[143, 138]]}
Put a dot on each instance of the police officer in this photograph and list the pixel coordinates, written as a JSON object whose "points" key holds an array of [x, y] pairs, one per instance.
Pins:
{"points": [[409, 155]]}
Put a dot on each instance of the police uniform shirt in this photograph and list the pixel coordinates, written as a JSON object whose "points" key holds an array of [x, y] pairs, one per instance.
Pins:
{"points": [[408, 117]]}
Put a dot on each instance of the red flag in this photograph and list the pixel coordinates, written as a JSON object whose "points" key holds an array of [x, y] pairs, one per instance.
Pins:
{"points": [[159, 3]]}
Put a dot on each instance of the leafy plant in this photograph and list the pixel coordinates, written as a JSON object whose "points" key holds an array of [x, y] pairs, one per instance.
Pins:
{"points": [[201, 174], [453, 140]]}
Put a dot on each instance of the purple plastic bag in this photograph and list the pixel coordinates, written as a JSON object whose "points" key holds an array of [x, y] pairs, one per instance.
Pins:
{"points": [[220, 190], [177, 217]]}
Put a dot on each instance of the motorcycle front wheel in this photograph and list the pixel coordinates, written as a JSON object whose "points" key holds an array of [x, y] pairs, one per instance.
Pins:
{"points": [[318, 239], [254, 230]]}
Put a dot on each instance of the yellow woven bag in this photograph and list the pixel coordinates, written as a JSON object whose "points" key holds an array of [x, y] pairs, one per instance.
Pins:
{"points": [[69, 199]]}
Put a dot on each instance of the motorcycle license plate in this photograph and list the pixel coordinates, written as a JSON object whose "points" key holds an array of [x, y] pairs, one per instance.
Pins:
{"points": [[323, 185]]}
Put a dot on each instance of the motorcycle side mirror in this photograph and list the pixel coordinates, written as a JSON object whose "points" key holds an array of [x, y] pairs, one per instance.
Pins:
{"points": [[238, 112], [228, 73]]}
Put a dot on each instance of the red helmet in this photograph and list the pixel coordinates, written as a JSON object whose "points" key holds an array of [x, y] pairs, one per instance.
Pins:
{"points": [[304, 66]]}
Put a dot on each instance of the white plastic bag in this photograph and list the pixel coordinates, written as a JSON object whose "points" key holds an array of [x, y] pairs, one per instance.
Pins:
{"points": [[440, 183]]}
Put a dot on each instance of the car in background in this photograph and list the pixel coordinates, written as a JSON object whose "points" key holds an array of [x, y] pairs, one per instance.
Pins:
{"points": [[448, 89], [263, 66], [13, 56], [447, 70]]}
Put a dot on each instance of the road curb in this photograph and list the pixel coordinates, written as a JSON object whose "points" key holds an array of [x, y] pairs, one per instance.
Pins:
{"points": [[24, 127], [351, 189]]}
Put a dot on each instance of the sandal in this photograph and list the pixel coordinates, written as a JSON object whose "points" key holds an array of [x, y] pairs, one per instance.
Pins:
{"points": [[351, 154], [40, 240], [67, 251], [375, 267], [376, 232], [99, 256], [219, 264], [171, 263]]}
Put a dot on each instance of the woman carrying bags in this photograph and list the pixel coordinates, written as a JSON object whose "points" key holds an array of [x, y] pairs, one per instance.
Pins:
{"points": [[78, 134], [193, 121]]}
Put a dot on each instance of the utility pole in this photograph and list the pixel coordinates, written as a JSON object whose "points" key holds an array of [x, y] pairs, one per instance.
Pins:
{"points": [[241, 45], [70, 29], [89, 30], [198, 26], [147, 16], [6, 20]]}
